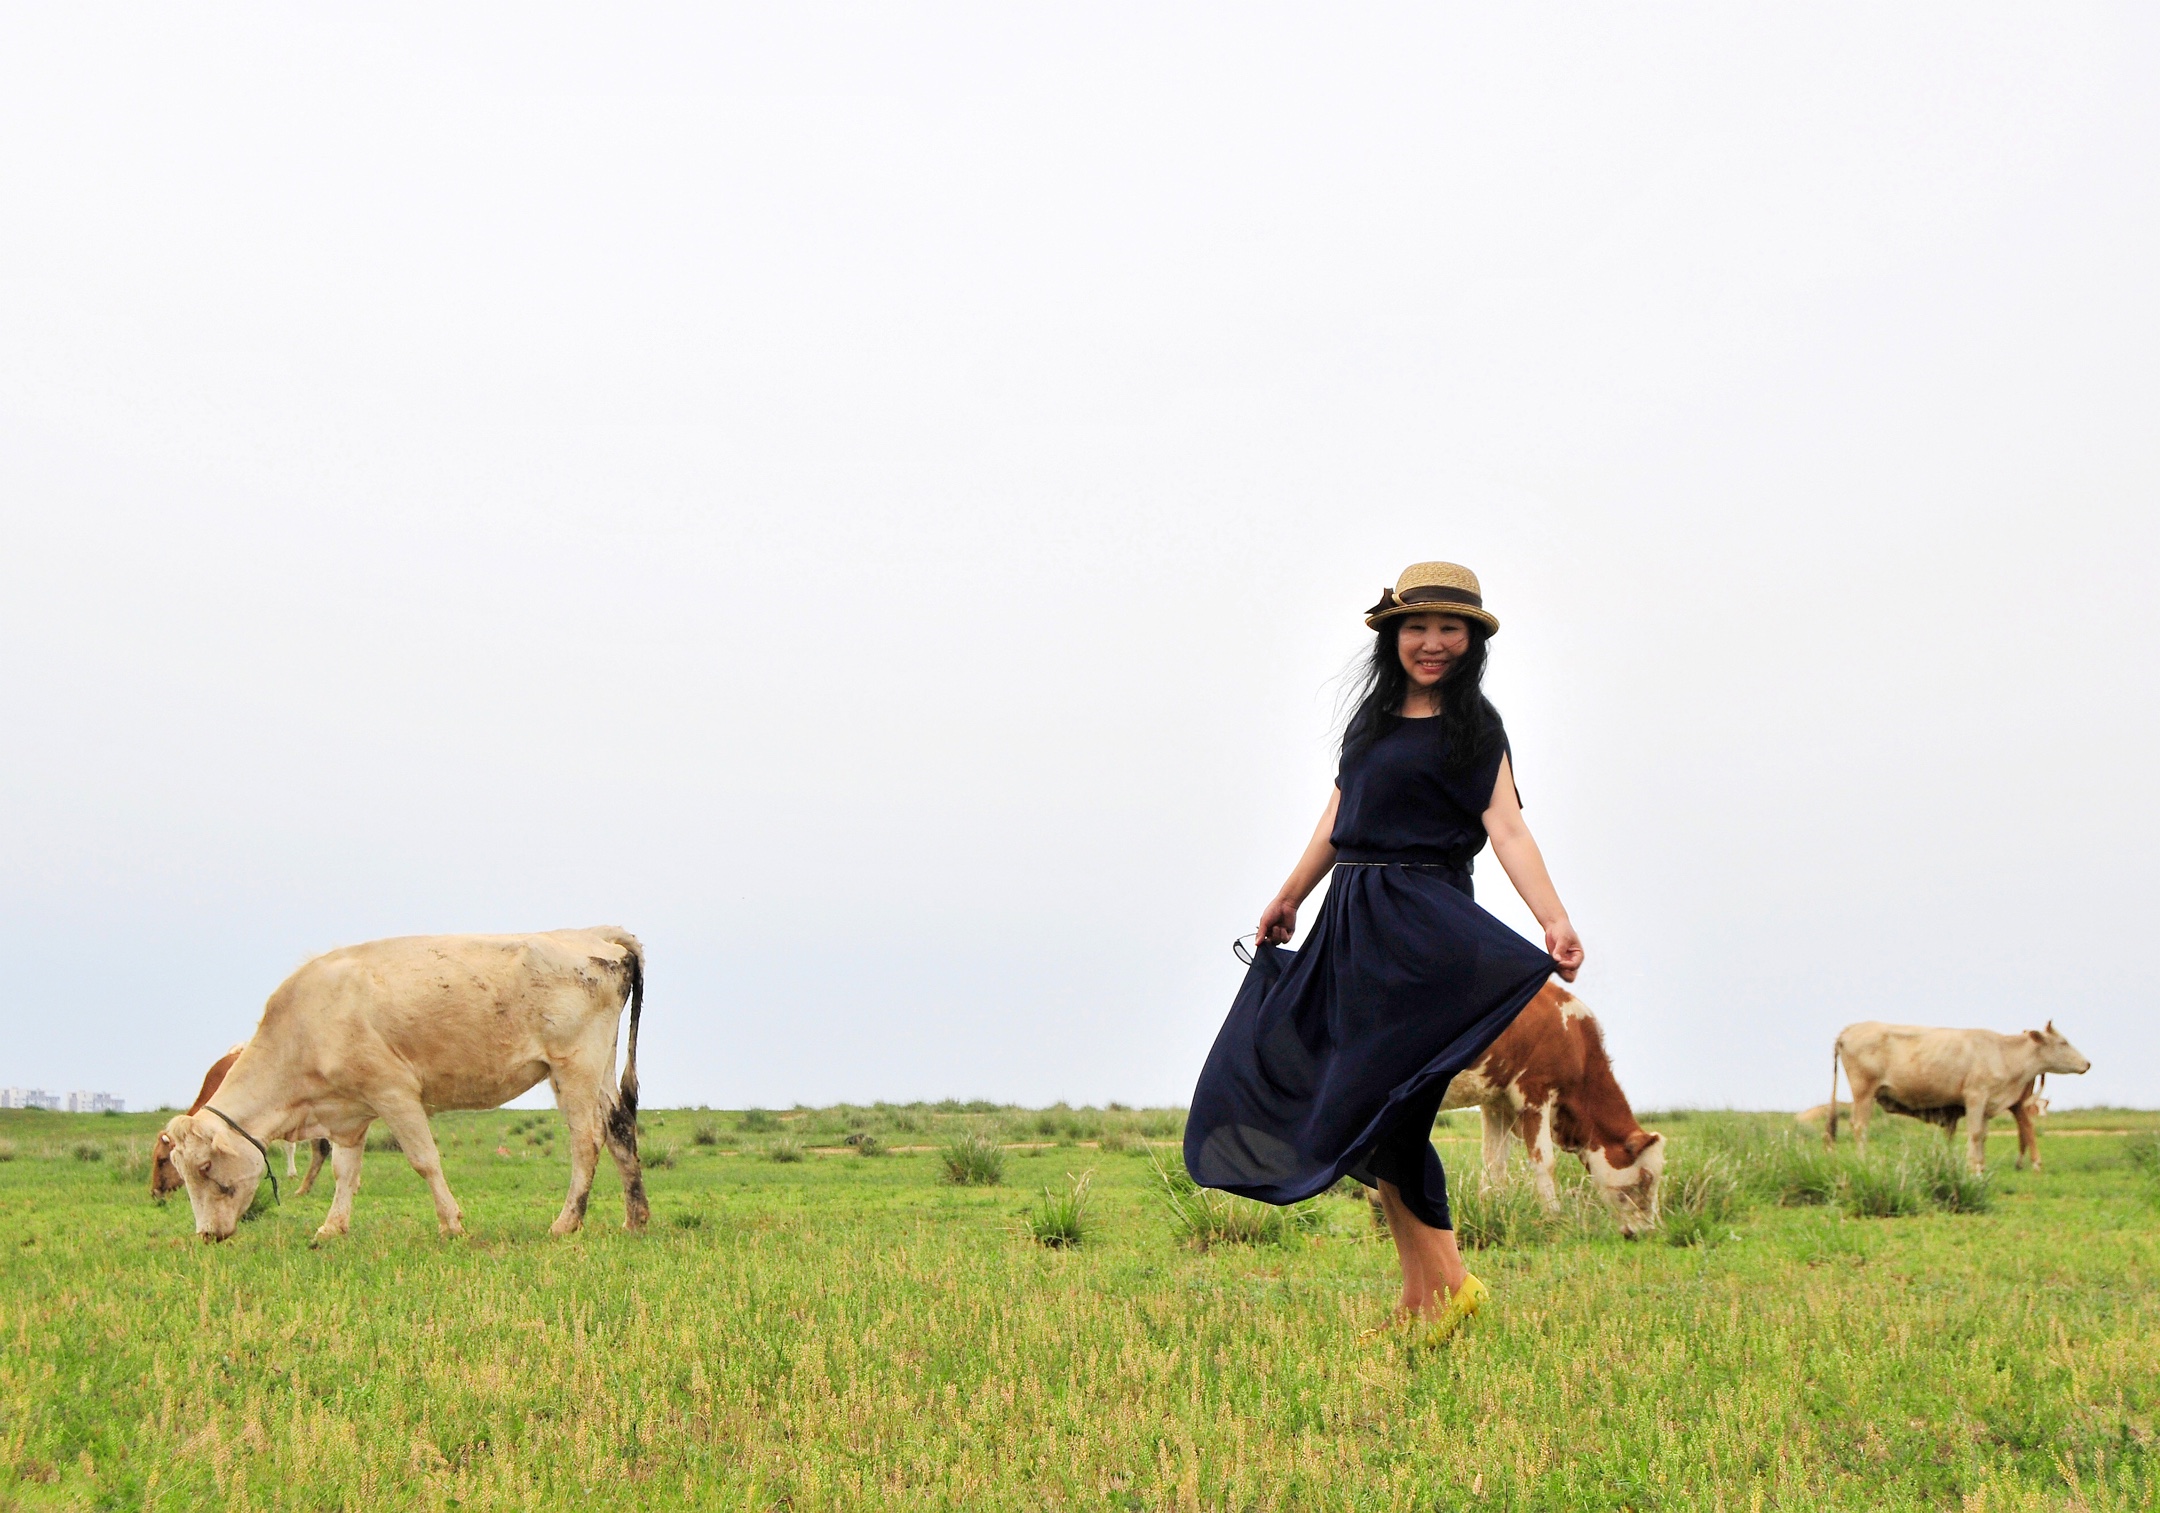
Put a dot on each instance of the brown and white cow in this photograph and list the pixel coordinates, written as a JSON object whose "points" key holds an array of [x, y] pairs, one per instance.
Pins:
{"points": [[2026, 1114], [1944, 1076], [1548, 1079], [396, 1029], [165, 1178]]}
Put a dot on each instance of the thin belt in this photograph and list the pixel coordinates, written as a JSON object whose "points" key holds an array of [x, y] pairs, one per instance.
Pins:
{"points": [[1366, 859]]}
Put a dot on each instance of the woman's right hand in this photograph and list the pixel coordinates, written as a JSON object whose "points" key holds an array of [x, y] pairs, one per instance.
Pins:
{"points": [[1278, 922]]}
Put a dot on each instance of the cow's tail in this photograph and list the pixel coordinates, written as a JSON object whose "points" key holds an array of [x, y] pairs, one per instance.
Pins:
{"points": [[634, 965], [1837, 1048]]}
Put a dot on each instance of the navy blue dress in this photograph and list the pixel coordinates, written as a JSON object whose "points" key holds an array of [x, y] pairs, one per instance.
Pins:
{"points": [[1335, 1057]]}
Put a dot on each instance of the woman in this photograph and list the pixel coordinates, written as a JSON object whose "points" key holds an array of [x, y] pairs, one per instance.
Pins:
{"points": [[1335, 1057]]}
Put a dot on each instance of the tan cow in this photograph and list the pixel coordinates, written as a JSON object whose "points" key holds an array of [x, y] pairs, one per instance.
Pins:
{"points": [[1548, 1079], [1943, 1076], [165, 1177], [396, 1029]]}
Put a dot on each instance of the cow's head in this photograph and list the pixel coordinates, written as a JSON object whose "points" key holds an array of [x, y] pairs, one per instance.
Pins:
{"points": [[164, 1176], [1627, 1176], [220, 1169], [2056, 1053]]}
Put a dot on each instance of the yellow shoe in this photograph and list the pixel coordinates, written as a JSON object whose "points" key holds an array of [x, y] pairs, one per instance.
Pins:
{"points": [[1465, 1300]]}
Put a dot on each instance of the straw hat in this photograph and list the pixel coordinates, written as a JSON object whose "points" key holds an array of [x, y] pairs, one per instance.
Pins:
{"points": [[1426, 588]]}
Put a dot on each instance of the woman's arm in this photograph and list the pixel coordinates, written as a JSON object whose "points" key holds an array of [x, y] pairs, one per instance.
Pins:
{"points": [[1278, 921], [1517, 849]]}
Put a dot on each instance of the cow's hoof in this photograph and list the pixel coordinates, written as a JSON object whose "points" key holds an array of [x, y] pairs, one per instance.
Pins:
{"points": [[563, 1227]]}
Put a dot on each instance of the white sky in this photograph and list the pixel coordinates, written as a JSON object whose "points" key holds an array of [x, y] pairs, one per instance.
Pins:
{"points": [[874, 499]]}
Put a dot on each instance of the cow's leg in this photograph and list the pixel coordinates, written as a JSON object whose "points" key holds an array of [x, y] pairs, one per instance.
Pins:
{"points": [[1863, 1108], [345, 1166], [321, 1154], [584, 1118], [408, 1121], [1978, 1114], [621, 1130], [292, 1168], [1537, 1137], [2028, 1133], [1496, 1139]]}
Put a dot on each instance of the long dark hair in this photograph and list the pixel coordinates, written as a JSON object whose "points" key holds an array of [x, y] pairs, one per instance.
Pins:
{"points": [[1377, 689]]}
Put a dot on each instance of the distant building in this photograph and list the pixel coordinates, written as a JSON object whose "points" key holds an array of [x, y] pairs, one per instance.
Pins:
{"points": [[28, 1097], [95, 1103]]}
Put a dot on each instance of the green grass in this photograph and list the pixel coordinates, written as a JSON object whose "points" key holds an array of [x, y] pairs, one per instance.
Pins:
{"points": [[846, 1333], [974, 1160], [1061, 1220]]}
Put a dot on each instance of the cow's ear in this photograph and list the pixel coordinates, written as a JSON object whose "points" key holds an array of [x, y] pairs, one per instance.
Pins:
{"points": [[2036, 1037], [1635, 1143], [179, 1128]]}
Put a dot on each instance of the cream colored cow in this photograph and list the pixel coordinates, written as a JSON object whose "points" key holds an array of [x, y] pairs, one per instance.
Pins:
{"points": [[1943, 1076], [396, 1029]]}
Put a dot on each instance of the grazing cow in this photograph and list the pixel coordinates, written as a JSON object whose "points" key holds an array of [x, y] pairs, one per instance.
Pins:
{"points": [[1943, 1076], [398, 1028], [164, 1178], [1548, 1079]]}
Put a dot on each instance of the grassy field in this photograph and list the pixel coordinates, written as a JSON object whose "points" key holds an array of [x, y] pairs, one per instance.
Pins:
{"points": [[843, 1330]]}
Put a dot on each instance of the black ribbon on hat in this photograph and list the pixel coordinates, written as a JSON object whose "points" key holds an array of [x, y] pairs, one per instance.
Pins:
{"points": [[1424, 594]]}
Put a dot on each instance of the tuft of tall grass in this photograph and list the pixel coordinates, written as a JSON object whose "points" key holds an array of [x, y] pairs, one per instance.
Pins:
{"points": [[87, 1150], [381, 1139], [660, 1153], [1204, 1218], [1793, 1171], [1116, 1142], [1881, 1189], [2141, 1152], [7, 1150], [1060, 1220], [784, 1149], [871, 1145], [759, 1122], [973, 1160], [1493, 1218], [1702, 1197], [1950, 1184], [705, 1133]]}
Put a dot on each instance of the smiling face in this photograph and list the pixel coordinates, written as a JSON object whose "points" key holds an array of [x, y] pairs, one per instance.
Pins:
{"points": [[220, 1169], [1429, 646]]}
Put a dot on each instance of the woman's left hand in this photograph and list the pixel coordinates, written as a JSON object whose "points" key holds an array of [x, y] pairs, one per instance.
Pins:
{"points": [[1564, 946]]}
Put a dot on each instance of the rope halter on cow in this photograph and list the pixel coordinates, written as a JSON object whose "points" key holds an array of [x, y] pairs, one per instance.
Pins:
{"points": [[268, 1169]]}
